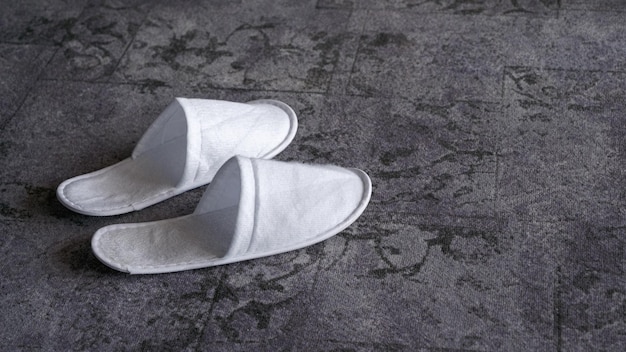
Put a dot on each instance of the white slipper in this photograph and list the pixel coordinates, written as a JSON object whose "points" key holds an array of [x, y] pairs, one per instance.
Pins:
{"points": [[182, 150], [253, 208]]}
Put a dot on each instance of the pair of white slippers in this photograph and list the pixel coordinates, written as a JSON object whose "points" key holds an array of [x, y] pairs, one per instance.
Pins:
{"points": [[252, 208]]}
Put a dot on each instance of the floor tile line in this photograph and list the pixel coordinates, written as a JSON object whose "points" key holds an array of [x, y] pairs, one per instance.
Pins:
{"points": [[128, 45], [207, 316], [566, 10], [558, 310], [335, 68], [8, 42], [356, 53], [549, 14], [559, 69], [4, 123]]}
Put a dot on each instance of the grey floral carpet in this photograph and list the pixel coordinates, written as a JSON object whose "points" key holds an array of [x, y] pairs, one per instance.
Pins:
{"points": [[493, 131]]}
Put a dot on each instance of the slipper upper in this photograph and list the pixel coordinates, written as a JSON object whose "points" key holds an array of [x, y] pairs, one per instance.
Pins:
{"points": [[284, 206], [214, 130]]}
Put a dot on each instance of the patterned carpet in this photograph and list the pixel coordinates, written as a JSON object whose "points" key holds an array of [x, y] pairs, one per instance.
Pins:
{"points": [[493, 132]]}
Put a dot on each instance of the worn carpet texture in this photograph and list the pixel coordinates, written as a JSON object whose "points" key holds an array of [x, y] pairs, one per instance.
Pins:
{"points": [[493, 131]]}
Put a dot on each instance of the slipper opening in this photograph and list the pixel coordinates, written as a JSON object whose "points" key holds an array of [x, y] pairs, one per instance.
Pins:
{"points": [[177, 244], [164, 146]]}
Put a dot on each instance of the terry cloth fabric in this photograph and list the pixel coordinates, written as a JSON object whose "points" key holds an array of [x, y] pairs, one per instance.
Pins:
{"points": [[253, 208], [182, 150]]}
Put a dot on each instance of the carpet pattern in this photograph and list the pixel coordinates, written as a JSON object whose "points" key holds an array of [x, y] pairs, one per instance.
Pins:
{"points": [[493, 132]]}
